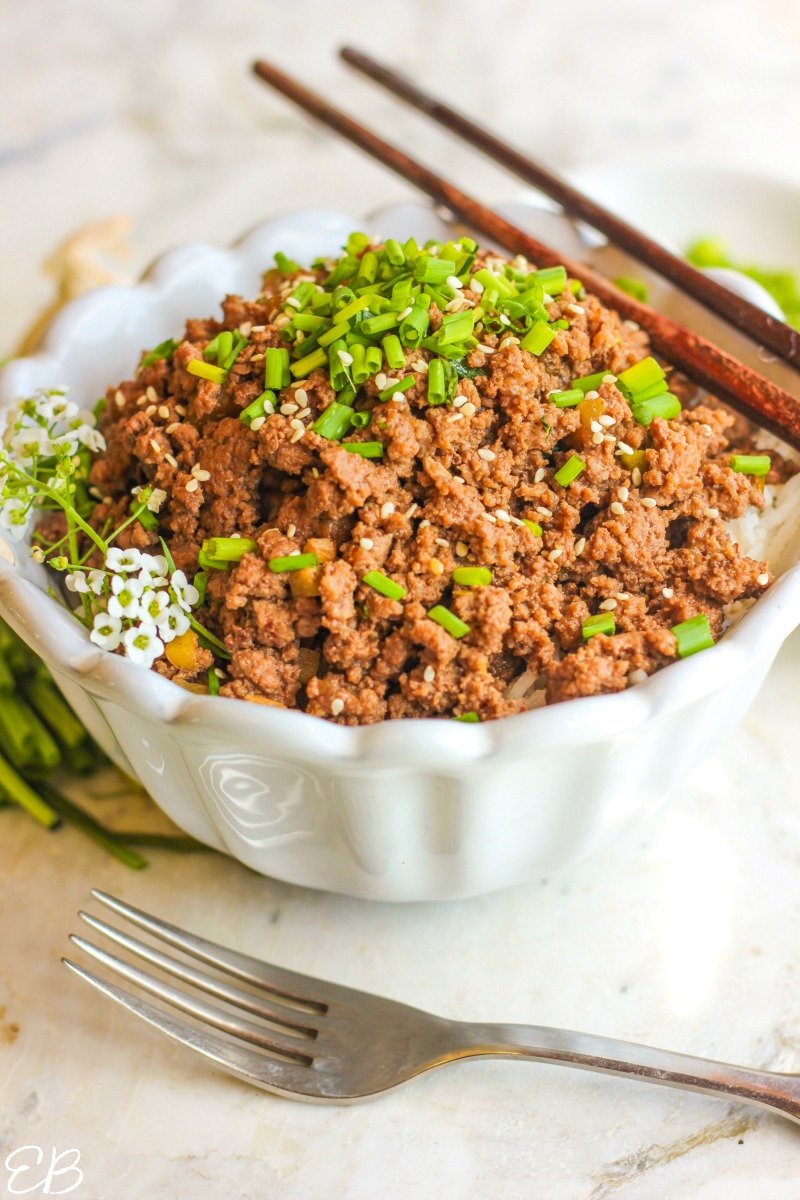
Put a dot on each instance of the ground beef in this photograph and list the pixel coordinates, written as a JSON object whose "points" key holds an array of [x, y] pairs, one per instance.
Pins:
{"points": [[639, 533]]}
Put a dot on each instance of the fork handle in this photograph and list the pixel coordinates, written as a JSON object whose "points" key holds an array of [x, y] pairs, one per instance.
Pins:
{"points": [[771, 1090]]}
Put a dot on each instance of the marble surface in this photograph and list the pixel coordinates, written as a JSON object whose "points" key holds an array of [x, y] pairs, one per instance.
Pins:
{"points": [[685, 934]]}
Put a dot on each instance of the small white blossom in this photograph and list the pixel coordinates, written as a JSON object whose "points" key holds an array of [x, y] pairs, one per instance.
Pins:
{"points": [[107, 631], [76, 582], [152, 605], [91, 438], [142, 643], [156, 500], [54, 406], [32, 442], [186, 593], [123, 560], [154, 564], [97, 580], [172, 623], [124, 600], [14, 518]]}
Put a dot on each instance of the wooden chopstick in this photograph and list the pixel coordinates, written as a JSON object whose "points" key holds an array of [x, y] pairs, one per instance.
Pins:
{"points": [[751, 320], [714, 369]]}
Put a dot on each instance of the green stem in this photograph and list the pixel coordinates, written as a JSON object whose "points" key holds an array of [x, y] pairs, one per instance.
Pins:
{"points": [[16, 789], [93, 829]]}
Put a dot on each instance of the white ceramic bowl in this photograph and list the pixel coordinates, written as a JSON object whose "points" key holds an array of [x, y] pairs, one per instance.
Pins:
{"points": [[404, 810]]}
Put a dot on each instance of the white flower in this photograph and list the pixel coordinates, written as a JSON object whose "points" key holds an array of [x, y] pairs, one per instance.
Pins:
{"points": [[97, 580], [31, 442], [124, 601], [76, 582], [142, 643], [123, 560], [91, 438], [156, 500], [154, 570], [152, 605], [54, 406], [14, 518], [172, 623], [186, 593], [106, 632]]}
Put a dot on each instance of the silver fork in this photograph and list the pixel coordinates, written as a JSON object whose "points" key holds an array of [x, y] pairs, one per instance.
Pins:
{"points": [[311, 1040]]}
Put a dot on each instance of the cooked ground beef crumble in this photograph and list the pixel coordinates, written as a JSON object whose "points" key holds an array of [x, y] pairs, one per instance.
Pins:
{"points": [[639, 533]]}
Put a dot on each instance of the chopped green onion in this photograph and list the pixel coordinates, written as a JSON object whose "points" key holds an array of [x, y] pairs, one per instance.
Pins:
{"points": [[437, 391], [666, 406], [469, 718], [276, 368], [394, 252], [570, 470], [205, 370], [433, 270], [213, 682], [304, 366], [456, 327], [693, 635], [358, 367], [393, 389], [353, 307], [472, 576], [394, 352], [552, 279], [566, 399], [333, 334], [751, 464], [228, 549], [640, 377], [356, 243], [633, 287], [292, 562], [589, 383], [380, 324], [285, 265], [538, 337], [373, 360], [414, 327], [535, 529], [361, 419], [200, 581], [448, 621], [210, 564], [334, 422], [223, 348], [365, 449], [381, 583], [601, 623], [164, 350], [263, 406]]}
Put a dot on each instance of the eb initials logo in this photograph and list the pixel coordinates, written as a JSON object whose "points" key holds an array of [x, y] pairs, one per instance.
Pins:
{"points": [[29, 1172]]}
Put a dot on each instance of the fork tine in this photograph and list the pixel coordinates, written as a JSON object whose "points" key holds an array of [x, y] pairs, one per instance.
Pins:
{"points": [[248, 1031], [278, 1014], [287, 1078], [288, 984]]}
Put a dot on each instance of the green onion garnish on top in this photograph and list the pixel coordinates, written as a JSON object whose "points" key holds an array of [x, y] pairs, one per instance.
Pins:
{"points": [[538, 337], [570, 470], [472, 576], [751, 464], [163, 351], [666, 406], [552, 279], [304, 366], [589, 383], [263, 406], [394, 389], [228, 549], [381, 583], [448, 621], [365, 449], [535, 528], [469, 718], [334, 422], [632, 287], [276, 368], [600, 623], [566, 399], [643, 377], [292, 562], [204, 370], [693, 635]]}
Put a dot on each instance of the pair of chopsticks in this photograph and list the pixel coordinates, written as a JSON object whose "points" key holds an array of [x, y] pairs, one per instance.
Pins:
{"points": [[720, 373]]}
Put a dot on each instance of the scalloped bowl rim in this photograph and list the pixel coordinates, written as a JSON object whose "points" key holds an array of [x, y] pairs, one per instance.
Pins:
{"points": [[440, 743]]}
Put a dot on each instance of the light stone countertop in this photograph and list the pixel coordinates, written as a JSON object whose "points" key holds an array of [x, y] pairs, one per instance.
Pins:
{"points": [[685, 934]]}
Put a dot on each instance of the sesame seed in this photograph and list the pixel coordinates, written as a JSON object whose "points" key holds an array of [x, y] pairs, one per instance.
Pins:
{"points": [[150, 410], [516, 521], [298, 433], [291, 531], [612, 441], [420, 365], [344, 358], [577, 309], [648, 502], [490, 518], [296, 423], [608, 605], [487, 455], [508, 341], [380, 381], [469, 409], [429, 674], [315, 472], [636, 477], [580, 546], [256, 423], [554, 554], [592, 395], [152, 394], [707, 430], [617, 508], [631, 325], [606, 421], [711, 513], [173, 462], [544, 512], [623, 596], [539, 476], [457, 479], [501, 514], [424, 524], [192, 485], [486, 349], [623, 493], [624, 448], [287, 409], [180, 409], [337, 706], [246, 328], [141, 401], [455, 417], [597, 439], [155, 446], [454, 282], [763, 579], [119, 399], [609, 379], [459, 400], [171, 428], [258, 329], [163, 412], [504, 319], [475, 286], [202, 476], [293, 301], [637, 676], [366, 543], [411, 510], [462, 549], [387, 509], [301, 396], [436, 567], [402, 315], [667, 593], [443, 542], [596, 427]]}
